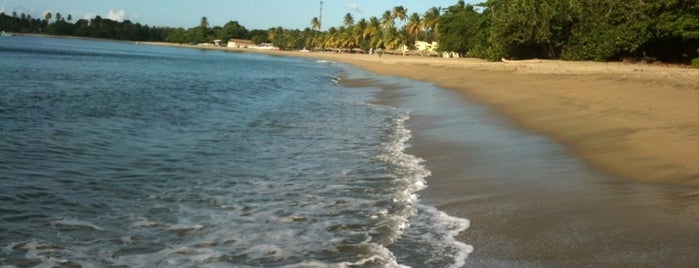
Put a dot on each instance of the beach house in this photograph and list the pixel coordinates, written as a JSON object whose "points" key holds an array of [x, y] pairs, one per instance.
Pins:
{"points": [[426, 48], [267, 46], [240, 43]]}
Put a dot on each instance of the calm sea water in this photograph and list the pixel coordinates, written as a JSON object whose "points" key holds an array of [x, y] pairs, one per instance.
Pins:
{"points": [[118, 154]]}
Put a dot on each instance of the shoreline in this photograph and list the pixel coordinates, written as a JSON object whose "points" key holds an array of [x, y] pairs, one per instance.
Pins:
{"points": [[532, 198], [638, 122], [635, 121], [530, 202]]}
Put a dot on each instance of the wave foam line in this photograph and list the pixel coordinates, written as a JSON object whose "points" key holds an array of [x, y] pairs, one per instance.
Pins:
{"points": [[436, 229]]}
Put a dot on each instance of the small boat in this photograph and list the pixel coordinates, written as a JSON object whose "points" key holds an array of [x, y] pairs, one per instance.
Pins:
{"points": [[3, 33]]}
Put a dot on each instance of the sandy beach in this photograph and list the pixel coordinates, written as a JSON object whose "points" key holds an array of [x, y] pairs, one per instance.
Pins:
{"points": [[639, 122], [556, 164], [535, 199], [603, 175]]}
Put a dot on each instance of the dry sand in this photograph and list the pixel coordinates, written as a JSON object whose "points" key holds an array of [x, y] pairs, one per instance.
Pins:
{"points": [[640, 122]]}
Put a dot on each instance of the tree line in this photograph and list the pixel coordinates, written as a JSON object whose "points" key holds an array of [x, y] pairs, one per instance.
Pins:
{"points": [[600, 30], [98, 27]]}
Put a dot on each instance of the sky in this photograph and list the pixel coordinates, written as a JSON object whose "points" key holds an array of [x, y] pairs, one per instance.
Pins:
{"points": [[253, 14]]}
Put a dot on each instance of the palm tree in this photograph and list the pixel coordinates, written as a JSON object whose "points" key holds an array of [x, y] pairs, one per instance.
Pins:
{"points": [[358, 33], [315, 24], [47, 16], [414, 25], [204, 23], [69, 18], [393, 39], [349, 20], [331, 38], [400, 13], [387, 20], [362, 24], [345, 38], [372, 28], [431, 21]]}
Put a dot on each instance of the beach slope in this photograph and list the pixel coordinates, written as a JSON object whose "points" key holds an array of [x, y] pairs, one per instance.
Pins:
{"points": [[639, 122]]}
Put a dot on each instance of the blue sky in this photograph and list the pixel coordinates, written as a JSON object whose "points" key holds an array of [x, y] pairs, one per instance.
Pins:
{"points": [[253, 14]]}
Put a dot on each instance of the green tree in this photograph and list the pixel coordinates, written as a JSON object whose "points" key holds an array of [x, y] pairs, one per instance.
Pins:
{"points": [[204, 23], [177, 35], [232, 29], [358, 32], [400, 13], [675, 28], [372, 32], [348, 20], [458, 28], [530, 28], [415, 25], [47, 16], [387, 21], [430, 21], [617, 29], [257, 36], [315, 24], [664, 29], [393, 39]]}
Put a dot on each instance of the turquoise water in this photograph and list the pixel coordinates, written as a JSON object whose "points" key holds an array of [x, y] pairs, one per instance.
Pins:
{"points": [[118, 154]]}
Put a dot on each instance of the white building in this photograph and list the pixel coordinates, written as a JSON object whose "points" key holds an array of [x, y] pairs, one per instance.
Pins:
{"points": [[269, 46], [423, 46], [240, 43]]}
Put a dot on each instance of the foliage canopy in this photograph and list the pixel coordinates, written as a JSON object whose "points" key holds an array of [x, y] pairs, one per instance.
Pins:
{"points": [[599, 30]]}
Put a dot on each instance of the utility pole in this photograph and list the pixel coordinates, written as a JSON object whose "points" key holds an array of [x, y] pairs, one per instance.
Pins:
{"points": [[320, 17]]}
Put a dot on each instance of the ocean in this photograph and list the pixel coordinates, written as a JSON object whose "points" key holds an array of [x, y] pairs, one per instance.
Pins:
{"points": [[125, 155]]}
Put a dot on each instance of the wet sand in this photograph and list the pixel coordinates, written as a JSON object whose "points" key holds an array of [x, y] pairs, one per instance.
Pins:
{"points": [[530, 201], [638, 122], [558, 164]]}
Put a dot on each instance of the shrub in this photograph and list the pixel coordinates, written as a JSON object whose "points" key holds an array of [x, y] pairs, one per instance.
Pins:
{"points": [[695, 63]]}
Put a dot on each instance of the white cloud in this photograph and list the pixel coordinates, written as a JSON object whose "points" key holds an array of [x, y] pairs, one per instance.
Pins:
{"points": [[354, 7], [118, 15]]}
